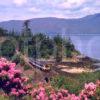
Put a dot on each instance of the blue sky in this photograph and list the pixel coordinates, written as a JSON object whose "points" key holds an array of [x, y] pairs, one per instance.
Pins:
{"points": [[26, 9]]}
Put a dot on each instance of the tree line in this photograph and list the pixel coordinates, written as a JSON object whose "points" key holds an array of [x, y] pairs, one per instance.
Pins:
{"points": [[37, 45]]}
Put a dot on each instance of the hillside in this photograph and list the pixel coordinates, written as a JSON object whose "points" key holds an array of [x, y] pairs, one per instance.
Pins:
{"points": [[89, 24]]}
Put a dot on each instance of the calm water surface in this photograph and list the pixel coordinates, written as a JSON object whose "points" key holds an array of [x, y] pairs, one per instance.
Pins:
{"points": [[87, 44]]}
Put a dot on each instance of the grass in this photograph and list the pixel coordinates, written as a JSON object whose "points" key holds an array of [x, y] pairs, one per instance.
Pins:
{"points": [[76, 83], [3, 98]]}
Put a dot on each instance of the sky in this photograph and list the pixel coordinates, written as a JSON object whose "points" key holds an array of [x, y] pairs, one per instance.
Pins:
{"points": [[26, 9]]}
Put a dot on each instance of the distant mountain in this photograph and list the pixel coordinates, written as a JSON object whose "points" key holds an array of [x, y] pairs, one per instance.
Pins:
{"points": [[86, 25]]}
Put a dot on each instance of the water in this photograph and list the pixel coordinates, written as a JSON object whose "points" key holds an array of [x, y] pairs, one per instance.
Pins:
{"points": [[87, 44]]}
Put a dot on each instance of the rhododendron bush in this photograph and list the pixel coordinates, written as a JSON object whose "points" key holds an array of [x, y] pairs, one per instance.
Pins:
{"points": [[13, 84], [10, 79], [88, 92]]}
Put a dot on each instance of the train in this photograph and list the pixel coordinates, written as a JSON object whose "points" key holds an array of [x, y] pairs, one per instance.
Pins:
{"points": [[41, 66]]}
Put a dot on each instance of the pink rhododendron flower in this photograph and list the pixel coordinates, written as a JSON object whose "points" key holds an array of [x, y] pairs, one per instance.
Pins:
{"points": [[90, 86], [21, 91], [14, 93], [25, 79], [16, 80], [53, 95], [59, 95], [12, 65], [98, 83], [74, 97], [10, 75], [17, 71], [3, 73], [42, 95], [34, 92]]}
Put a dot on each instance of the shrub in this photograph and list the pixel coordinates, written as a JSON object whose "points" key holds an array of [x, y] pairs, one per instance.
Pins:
{"points": [[22, 62], [87, 93], [11, 81], [26, 67], [16, 58], [7, 48]]}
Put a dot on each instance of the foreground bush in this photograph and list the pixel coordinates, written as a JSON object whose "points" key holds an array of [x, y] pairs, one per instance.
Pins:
{"points": [[89, 92], [11, 81], [16, 87]]}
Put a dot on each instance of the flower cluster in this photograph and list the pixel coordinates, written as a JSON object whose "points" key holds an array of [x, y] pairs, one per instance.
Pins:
{"points": [[88, 91], [13, 84], [10, 79], [86, 94]]}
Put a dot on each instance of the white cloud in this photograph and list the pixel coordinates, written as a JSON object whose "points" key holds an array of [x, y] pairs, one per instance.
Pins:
{"points": [[68, 4], [5, 2], [10, 2], [97, 3], [20, 2], [34, 9], [47, 8], [89, 10]]}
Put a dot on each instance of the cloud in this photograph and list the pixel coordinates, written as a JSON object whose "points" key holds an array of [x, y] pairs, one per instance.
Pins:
{"points": [[20, 2], [5, 2], [34, 10], [24, 9], [69, 4]]}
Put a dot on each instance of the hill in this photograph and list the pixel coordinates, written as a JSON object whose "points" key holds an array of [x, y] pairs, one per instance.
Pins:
{"points": [[86, 25]]}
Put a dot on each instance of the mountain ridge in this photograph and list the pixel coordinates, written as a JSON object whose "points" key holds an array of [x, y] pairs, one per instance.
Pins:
{"points": [[52, 25]]}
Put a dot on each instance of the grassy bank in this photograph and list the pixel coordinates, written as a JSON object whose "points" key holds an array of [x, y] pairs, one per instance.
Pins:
{"points": [[74, 83]]}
